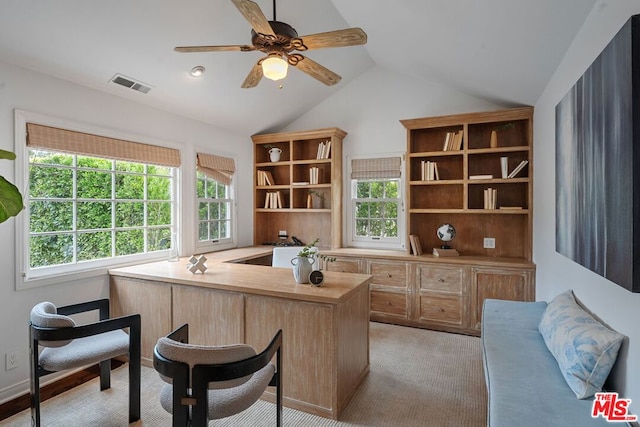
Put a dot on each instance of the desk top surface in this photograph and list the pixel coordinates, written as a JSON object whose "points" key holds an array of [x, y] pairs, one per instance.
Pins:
{"points": [[225, 271]]}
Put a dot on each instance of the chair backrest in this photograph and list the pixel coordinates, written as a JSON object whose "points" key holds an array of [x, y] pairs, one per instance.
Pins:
{"points": [[45, 315], [193, 355], [282, 256]]}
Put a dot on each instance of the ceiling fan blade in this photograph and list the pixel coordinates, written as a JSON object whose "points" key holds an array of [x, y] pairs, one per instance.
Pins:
{"points": [[229, 48], [339, 38], [254, 77], [252, 13], [317, 71]]}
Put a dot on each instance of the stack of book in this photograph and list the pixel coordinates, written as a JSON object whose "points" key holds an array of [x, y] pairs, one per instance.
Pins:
{"points": [[272, 200], [453, 141], [429, 171], [265, 178], [490, 198], [445, 252], [314, 175], [324, 150]]}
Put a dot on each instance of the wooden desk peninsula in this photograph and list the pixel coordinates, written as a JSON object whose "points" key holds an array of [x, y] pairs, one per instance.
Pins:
{"points": [[325, 329]]}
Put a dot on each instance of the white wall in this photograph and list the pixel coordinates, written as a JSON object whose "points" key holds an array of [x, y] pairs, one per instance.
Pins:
{"points": [[616, 306], [370, 108], [34, 92]]}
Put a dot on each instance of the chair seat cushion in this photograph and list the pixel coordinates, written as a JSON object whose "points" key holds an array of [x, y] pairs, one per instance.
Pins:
{"points": [[85, 351], [227, 402]]}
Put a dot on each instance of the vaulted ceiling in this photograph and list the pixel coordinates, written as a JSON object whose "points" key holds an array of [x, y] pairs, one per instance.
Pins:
{"points": [[501, 50]]}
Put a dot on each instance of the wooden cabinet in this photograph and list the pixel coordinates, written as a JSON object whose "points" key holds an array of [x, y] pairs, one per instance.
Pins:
{"points": [[301, 193], [444, 294], [500, 283], [456, 194], [345, 265], [390, 297]]}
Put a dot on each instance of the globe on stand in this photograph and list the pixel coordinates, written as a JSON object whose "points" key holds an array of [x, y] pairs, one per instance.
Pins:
{"points": [[446, 233]]}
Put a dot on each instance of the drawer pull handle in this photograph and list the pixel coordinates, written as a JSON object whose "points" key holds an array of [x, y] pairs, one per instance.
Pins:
{"points": [[441, 310], [388, 302], [441, 280], [388, 275]]}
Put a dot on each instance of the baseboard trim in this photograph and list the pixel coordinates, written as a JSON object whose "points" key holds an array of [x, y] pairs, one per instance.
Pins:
{"points": [[49, 389]]}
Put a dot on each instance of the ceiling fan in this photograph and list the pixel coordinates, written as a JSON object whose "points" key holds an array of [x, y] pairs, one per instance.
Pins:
{"points": [[279, 41]]}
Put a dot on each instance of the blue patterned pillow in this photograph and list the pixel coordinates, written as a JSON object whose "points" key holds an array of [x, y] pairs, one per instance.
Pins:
{"points": [[584, 348]]}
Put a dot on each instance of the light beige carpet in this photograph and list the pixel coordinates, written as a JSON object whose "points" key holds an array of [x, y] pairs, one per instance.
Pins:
{"points": [[418, 378]]}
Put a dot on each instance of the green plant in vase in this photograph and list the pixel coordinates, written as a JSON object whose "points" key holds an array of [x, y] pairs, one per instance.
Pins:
{"points": [[303, 263]]}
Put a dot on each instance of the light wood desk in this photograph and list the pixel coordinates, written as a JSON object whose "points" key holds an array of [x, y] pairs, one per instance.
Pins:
{"points": [[325, 329]]}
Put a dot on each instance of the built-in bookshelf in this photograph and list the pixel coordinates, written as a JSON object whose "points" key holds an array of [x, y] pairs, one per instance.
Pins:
{"points": [[301, 193], [474, 172]]}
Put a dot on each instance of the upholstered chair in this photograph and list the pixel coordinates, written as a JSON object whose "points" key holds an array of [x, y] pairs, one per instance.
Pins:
{"points": [[68, 346], [212, 382]]}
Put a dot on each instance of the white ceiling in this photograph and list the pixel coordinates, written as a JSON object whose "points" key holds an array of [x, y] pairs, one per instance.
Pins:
{"points": [[501, 50]]}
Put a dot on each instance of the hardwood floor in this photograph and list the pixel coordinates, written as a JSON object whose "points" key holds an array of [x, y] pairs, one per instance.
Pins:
{"points": [[23, 402]]}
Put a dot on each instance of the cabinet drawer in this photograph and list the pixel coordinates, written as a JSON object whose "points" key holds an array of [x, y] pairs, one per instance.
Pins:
{"points": [[441, 279], [344, 265], [389, 303], [392, 274], [441, 309]]}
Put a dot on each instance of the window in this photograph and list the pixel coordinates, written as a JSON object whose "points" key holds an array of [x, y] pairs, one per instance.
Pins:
{"points": [[215, 202], [214, 210], [377, 218], [87, 208], [86, 212]]}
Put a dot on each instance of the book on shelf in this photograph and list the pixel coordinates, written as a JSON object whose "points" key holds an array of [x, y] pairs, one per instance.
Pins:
{"points": [[445, 252], [273, 200], [429, 171], [504, 167], [517, 169], [324, 150], [453, 141], [480, 176], [416, 247], [490, 198], [315, 175], [514, 208], [265, 178], [300, 183]]}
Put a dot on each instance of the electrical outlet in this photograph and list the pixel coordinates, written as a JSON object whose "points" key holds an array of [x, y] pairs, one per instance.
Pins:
{"points": [[11, 360], [489, 243], [282, 234]]}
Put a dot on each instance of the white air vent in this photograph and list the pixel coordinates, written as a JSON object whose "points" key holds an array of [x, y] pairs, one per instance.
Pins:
{"points": [[121, 80]]}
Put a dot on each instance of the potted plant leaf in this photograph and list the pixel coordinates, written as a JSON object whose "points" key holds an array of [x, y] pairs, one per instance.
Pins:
{"points": [[10, 197]]}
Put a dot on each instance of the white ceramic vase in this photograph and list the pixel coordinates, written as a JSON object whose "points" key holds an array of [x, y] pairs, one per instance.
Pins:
{"points": [[274, 154], [302, 267]]}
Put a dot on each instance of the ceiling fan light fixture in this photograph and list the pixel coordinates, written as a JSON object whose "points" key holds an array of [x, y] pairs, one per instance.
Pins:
{"points": [[274, 67], [197, 71]]}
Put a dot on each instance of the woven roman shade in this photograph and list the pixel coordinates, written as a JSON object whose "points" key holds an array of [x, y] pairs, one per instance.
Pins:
{"points": [[380, 168], [216, 167], [68, 141]]}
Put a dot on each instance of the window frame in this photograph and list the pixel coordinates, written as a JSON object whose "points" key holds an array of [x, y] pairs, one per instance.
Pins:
{"points": [[27, 279], [221, 244], [398, 243]]}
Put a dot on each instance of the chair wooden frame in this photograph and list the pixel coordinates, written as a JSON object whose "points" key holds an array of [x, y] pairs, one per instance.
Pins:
{"points": [[105, 324], [204, 374]]}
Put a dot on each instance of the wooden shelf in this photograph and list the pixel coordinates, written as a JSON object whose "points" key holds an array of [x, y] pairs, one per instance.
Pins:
{"points": [[456, 198], [299, 154]]}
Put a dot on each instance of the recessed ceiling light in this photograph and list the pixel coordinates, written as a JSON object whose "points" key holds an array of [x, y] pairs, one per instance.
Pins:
{"points": [[197, 71]]}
